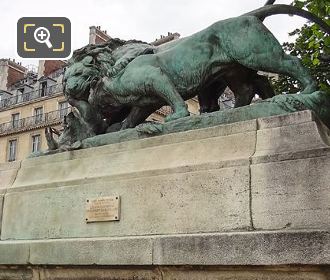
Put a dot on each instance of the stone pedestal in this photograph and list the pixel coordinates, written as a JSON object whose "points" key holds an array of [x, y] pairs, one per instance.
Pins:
{"points": [[247, 200]]}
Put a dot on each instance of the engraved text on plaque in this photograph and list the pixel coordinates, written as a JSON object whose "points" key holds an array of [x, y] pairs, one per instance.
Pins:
{"points": [[103, 209]]}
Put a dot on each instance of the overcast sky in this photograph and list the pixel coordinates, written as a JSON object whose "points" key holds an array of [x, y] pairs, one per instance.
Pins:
{"points": [[133, 19]]}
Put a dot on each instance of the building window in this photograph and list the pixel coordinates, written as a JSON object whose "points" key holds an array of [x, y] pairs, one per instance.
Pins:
{"points": [[36, 143], [12, 148], [38, 112], [15, 120], [63, 107], [43, 88], [26, 96]]}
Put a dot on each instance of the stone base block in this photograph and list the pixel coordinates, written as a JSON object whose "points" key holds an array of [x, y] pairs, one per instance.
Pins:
{"points": [[291, 194], [163, 204], [193, 203], [237, 248], [8, 173]]}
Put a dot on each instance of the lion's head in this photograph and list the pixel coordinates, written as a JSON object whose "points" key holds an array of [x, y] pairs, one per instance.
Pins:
{"points": [[87, 65], [79, 77]]}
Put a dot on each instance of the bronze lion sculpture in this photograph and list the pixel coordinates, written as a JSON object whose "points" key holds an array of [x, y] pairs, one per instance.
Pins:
{"points": [[117, 86]]}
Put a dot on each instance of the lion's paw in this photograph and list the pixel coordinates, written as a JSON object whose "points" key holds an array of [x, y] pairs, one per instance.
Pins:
{"points": [[150, 128], [177, 115]]}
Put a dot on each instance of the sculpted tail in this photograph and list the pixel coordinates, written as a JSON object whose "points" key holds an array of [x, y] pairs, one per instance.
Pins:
{"points": [[270, 10]]}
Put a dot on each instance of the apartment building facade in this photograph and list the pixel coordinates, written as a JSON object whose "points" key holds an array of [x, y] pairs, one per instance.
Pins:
{"points": [[27, 106]]}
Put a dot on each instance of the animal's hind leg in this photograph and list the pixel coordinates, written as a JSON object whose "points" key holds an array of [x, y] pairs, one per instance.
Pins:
{"points": [[209, 96], [284, 64], [262, 87], [243, 92]]}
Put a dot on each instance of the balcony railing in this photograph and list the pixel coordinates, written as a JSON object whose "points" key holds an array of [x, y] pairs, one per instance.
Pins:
{"points": [[32, 95], [24, 124]]}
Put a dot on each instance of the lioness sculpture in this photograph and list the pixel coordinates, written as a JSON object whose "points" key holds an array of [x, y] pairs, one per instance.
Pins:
{"points": [[181, 69], [119, 88]]}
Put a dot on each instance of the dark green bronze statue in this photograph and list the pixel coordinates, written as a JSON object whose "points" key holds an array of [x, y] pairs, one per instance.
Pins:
{"points": [[119, 84]]}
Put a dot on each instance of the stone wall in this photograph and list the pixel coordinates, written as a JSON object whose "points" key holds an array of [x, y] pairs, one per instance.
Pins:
{"points": [[247, 200]]}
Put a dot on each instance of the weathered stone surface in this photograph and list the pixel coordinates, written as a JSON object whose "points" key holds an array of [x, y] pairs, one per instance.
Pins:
{"points": [[290, 138], [114, 251], [287, 119], [189, 202], [220, 144], [8, 172], [184, 183], [196, 122], [254, 248], [201, 197], [125, 146], [15, 252], [291, 156], [236, 248], [171, 138], [291, 194]]}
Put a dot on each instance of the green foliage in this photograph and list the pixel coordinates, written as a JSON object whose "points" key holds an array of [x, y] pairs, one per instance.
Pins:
{"points": [[312, 46]]}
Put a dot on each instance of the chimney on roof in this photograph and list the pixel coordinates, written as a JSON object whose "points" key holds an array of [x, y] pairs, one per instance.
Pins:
{"points": [[46, 67], [10, 73], [97, 36], [164, 39]]}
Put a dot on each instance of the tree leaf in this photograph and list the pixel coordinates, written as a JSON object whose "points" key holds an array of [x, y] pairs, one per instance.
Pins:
{"points": [[316, 61]]}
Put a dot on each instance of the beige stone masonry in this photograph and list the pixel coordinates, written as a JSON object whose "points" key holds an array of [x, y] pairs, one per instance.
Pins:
{"points": [[234, 194]]}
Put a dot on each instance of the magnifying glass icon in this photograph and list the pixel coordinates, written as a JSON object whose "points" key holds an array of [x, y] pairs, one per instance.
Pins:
{"points": [[41, 35]]}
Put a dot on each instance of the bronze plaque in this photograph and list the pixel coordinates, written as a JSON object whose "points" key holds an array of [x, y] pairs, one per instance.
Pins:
{"points": [[103, 209]]}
